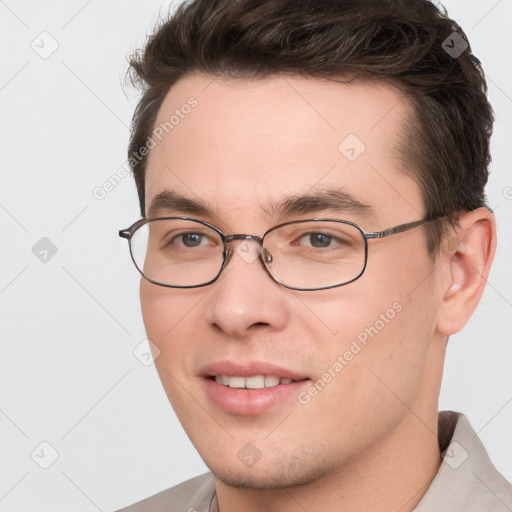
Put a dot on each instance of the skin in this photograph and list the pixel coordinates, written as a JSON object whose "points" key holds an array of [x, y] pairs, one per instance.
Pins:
{"points": [[369, 439]]}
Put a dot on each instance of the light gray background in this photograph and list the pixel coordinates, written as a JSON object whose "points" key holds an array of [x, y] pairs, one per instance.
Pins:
{"points": [[69, 326]]}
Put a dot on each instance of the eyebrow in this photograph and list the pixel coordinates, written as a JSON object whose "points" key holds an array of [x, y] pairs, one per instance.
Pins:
{"points": [[335, 200], [169, 201]]}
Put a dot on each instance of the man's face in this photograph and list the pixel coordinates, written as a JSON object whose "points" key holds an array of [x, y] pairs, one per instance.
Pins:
{"points": [[371, 346]]}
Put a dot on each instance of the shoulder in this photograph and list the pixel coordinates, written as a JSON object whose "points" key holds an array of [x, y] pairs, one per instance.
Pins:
{"points": [[195, 493]]}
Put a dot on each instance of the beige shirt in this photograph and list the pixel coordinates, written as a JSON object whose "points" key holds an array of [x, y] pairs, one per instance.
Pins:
{"points": [[466, 481]]}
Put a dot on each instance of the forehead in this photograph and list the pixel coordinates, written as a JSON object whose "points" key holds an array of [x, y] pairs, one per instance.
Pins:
{"points": [[244, 145]]}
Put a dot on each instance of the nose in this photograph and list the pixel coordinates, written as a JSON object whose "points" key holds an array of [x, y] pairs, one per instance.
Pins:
{"points": [[245, 298]]}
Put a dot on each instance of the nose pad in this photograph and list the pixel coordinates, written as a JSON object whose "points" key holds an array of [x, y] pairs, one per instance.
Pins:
{"points": [[267, 257], [248, 251]]}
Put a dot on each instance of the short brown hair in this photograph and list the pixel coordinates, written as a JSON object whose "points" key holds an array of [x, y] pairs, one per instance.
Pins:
{"points": [[445, 142]]}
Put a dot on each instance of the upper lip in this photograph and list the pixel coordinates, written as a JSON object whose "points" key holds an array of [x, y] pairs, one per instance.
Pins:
{"points": [[248, 369]]}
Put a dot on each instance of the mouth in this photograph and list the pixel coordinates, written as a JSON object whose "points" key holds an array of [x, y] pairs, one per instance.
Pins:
{"points": [[251, 388]]}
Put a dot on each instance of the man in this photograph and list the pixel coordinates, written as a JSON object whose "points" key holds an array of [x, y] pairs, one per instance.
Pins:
{"points": [[314, 228]]}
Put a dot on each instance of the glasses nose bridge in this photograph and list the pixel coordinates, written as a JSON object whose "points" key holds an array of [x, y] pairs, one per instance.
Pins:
{"points": [[231, 238]]}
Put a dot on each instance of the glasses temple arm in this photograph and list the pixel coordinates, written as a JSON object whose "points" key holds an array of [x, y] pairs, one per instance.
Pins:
{"points": [[400, 229]]}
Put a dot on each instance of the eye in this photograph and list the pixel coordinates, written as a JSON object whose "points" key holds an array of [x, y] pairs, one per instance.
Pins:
{"points": [[317, 240], [189, 239]]}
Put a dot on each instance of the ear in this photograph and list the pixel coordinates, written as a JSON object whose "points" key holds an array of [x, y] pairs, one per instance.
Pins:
{"points": [[467, 263]]}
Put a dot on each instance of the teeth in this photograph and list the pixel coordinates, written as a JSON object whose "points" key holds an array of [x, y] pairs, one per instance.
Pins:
{"points": [[271, 380], [256, 382], [236, 382], [252, 382]]}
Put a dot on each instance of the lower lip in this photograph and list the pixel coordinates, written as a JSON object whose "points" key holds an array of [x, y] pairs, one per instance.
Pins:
{"points": [[250, 402]]}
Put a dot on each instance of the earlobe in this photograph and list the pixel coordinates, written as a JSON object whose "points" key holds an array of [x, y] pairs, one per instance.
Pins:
{"points": [[468, 261]]}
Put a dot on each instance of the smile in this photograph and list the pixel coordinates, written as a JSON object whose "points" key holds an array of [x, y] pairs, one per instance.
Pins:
{"points": [[251, 387]]}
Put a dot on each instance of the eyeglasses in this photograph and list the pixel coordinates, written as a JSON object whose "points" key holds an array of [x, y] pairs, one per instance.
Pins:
{"points": [[317, 254]]}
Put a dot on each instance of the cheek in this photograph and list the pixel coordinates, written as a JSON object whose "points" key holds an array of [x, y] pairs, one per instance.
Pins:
{"points": [[351, 312], [168, 316], [367, 375], [166, 310], [156, 304], [377, 337]]}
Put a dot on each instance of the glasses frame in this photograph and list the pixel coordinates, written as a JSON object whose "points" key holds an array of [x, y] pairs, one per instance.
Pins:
{"points": [[228, 250]]}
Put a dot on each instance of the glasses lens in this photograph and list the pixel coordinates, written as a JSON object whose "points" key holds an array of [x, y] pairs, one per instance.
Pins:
{"points": [[315, 254], [177, 252]]}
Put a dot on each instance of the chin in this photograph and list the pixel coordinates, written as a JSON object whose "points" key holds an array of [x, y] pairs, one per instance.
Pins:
{"points": [[267, 477]]}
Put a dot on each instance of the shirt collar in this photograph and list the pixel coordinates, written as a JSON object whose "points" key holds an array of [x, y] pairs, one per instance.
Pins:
{"points": [[467, 479]]}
